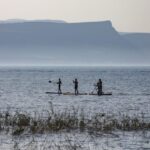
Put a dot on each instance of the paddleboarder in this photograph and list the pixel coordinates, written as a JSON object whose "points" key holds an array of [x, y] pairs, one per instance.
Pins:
{"points": [[76, 86], [59, 86], [99, 87]]}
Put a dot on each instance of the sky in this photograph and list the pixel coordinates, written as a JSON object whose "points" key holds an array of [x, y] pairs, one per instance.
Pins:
{"points": [[126, 15]]}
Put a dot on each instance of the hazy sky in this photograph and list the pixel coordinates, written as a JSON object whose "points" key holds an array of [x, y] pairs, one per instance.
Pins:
{"points": [[126, 15]]}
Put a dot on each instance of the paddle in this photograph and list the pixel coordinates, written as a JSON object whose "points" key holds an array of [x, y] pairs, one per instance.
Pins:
{"points": [[50, 81], [95, 88]]}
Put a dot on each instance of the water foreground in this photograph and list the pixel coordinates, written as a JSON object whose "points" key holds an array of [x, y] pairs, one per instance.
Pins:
{"points": [[120, 121], [77, 141], [73, 129]]}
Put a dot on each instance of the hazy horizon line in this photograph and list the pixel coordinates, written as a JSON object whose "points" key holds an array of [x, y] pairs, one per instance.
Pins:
{"points": [[74, 65]]}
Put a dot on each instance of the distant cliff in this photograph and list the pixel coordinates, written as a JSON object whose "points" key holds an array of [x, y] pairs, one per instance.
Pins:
{"points": [[140, 40], [58, 42], [97, 34]]}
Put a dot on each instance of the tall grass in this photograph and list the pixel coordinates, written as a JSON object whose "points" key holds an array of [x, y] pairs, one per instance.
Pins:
{"points": [[68, 120]]}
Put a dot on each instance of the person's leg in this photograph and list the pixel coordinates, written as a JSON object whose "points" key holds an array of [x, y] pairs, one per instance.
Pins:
{"points": [[98, 92], [101, 92], [59, 90], [77, 91]]}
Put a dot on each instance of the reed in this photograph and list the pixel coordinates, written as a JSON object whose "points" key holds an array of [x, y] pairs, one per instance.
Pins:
{"points": [[69, 120]]}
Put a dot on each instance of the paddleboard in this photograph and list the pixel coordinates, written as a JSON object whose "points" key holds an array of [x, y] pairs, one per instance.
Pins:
{"points": [[53, 93], [69, 93], [66, 93], [107, 94]]}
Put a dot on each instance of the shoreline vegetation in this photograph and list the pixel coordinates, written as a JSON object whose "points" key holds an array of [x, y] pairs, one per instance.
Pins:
{"points": [[69, 120]]}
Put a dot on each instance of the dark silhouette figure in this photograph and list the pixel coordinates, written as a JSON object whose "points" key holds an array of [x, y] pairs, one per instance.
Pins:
{"points": [[59, 86], [76, 87], [99, 87]]}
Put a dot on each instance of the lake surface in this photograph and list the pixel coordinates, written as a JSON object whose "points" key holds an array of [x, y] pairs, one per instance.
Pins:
{"points": [[24, 89]]}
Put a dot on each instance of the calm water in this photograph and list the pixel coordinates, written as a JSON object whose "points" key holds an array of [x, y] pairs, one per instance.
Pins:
{"points": [[24, 89]]}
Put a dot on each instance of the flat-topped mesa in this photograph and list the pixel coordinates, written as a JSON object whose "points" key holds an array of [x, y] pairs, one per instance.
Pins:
{"points": [[77, 43], [106, 23], [55, 34]]}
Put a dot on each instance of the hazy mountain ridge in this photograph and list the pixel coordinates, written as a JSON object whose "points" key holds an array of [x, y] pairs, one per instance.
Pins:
{"points": [[86, 43], [141, 40], [97, 34]]}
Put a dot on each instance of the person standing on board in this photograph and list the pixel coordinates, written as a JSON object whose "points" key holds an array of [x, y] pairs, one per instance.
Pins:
{"points": [[59, 86], [99, 87], [76, 86]]}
